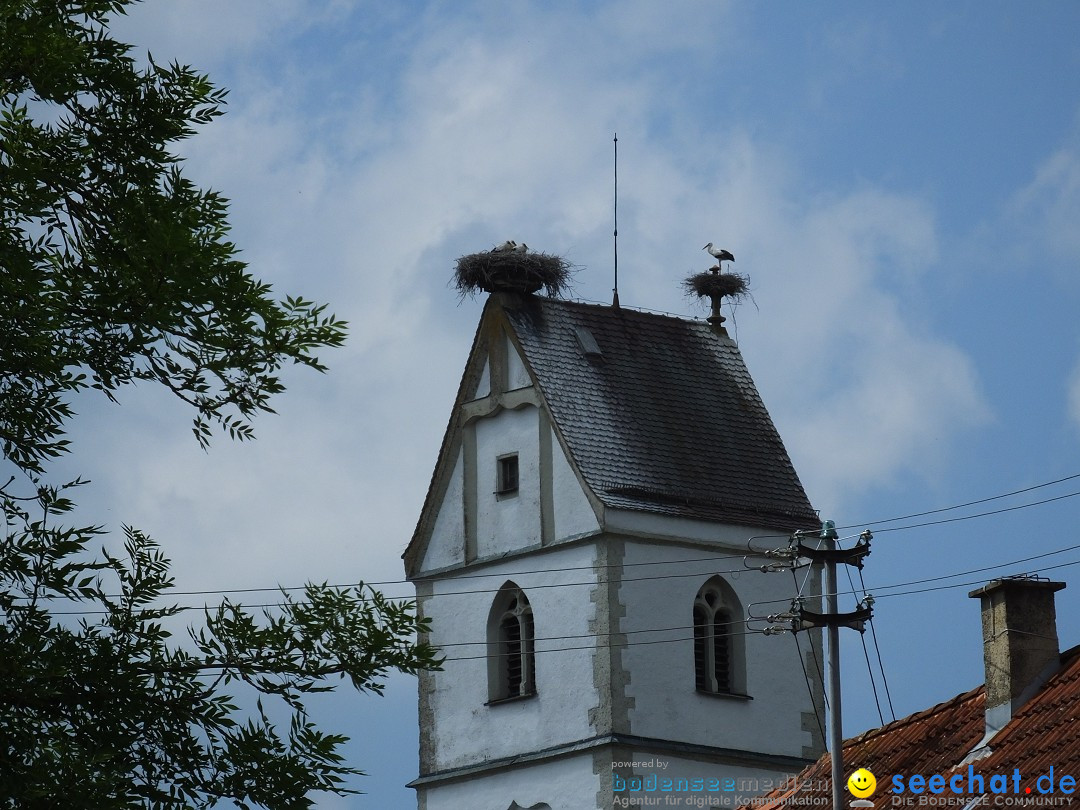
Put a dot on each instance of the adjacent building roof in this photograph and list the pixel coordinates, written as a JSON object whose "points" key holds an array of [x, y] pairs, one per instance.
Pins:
{"points": [[1044, 733]]}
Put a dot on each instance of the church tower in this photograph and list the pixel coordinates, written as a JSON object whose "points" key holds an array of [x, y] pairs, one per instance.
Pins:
{"points": [[580, 555]]}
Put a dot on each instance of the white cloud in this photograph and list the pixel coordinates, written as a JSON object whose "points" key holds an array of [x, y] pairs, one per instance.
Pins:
{"points": [[1052, 200], [1040, 222], [209, 34]]}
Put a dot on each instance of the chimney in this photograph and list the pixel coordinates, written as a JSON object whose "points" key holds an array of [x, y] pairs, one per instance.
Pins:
{"points": [[1020, 643]]}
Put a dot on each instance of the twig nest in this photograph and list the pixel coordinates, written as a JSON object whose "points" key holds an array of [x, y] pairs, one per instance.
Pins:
{"points": [[717, 285], [511, 271]]}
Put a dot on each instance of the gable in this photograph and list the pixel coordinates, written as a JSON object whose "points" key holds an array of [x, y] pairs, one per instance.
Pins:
{"points": [[604, 408], [499, 416]]}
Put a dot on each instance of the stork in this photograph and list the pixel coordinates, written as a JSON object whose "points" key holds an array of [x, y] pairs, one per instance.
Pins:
{"points": [[720, 254], [522, 248], [505, 247]]}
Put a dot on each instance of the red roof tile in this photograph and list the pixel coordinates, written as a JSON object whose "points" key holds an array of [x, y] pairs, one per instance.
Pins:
{"points": [[1044, 733]]}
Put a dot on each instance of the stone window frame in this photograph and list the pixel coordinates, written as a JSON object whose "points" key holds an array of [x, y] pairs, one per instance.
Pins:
{"points": [[507, 475], [511, 635], [719, 643]]}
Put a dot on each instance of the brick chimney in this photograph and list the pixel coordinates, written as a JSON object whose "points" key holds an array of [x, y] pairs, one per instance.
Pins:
{"points": [[1020, 643]]}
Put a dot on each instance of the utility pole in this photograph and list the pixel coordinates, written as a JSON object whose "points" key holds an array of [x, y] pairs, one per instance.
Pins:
{"points": [[836, 733], [828, 554]]}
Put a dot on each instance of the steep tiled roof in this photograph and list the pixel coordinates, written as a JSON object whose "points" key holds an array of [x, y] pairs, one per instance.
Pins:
{"points": [[667, 420], [1045, 732]]}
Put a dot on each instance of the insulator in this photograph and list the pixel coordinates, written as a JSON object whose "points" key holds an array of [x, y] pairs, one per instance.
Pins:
{"points": [[772, 568], [785, 553]]}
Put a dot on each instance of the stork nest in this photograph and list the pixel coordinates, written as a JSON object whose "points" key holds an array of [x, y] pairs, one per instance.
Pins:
{"points": [[717, 285], [499, 271]]}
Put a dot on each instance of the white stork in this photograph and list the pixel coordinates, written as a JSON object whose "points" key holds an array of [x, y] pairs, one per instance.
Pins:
{"points": [[505, 247], [720, 254]]}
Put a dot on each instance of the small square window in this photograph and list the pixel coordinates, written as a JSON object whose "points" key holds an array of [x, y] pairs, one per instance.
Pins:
{"points": [[506, 474]]}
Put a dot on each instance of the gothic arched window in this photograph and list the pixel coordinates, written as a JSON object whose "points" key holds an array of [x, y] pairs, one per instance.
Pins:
{"points": [[719, 665], [511, 656]]}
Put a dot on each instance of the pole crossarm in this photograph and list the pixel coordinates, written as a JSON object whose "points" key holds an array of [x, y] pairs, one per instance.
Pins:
{"points": [[809, 620], [839, 556]]}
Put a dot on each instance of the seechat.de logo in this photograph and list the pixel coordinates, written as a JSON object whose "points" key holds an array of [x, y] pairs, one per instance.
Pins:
{"points": [[862, 785]]}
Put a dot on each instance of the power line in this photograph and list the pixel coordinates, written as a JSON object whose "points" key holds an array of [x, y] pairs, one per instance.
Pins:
{"points": [[457, 576], [813, 650], [1043, 485], [877, 649], [677, 628], [540, 586], [606, 646], [671, 629], [385, 583], [809, 688], [934, 588], [710, 572], [978, 515], [880, 588], [866, 655]]}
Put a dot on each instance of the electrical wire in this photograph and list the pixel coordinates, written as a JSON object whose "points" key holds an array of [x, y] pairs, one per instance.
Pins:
{"points": [[813, 650], [1043, 485], [677, 628], [542, 586], [606, 646], [876, 589], [866, 655], [977, 515], [880, 588], [928, 590], [752, 552], [810, 689], [457, 576], [877, 649]]}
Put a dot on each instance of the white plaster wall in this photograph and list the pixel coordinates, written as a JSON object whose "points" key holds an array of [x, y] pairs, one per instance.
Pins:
{"points": [[574, 515], [696, 783], [656, 526], [517, 376], [483, 387], [465, 731], [505, 523], [565, 784], [447, 544], [666, 703]]}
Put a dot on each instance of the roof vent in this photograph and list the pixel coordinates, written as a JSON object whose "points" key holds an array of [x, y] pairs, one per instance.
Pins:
{"points": [[588, 343]]}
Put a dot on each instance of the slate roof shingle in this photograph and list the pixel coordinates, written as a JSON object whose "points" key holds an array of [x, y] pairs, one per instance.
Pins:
{"points": [[668, 421]]}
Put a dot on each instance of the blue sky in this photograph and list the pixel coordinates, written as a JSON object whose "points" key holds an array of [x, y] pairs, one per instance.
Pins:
{"points": [[901, 182]]}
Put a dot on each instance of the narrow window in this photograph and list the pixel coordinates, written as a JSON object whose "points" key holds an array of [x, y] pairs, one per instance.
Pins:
{"points": [[718, 650], [511, 651], [506, 475], [701, 652], [722, 652]]}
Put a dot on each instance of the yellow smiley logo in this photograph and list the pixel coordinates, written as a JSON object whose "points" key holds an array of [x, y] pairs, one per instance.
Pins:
{"points": [[861, 783]]}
